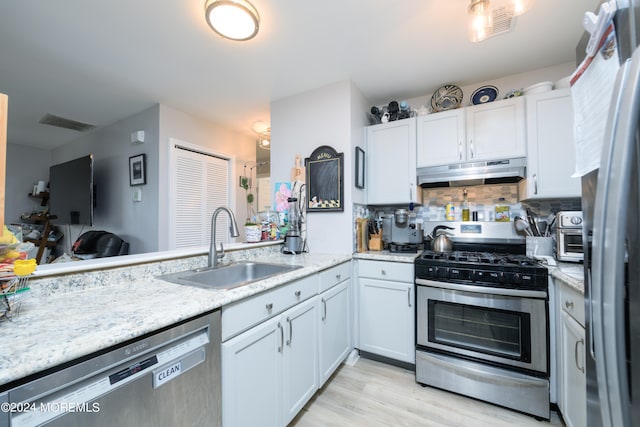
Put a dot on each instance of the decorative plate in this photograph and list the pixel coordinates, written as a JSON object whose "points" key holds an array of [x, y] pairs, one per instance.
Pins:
{"points": [[446, 98], [484, 94]]}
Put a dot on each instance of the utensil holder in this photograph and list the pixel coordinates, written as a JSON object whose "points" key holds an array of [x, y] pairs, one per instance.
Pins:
{"points": [[539, 246]]}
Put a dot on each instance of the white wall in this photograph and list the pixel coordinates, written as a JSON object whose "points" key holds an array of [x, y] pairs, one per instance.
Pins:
{"points": [[304, 122], [25, 167], [241, 148]]}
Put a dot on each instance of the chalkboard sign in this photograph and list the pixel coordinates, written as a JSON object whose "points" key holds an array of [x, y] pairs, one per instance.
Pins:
{"points": [[325, 188]]}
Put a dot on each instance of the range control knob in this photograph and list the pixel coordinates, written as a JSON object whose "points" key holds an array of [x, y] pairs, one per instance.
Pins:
{"points": [[517, 278], [443, 272]]}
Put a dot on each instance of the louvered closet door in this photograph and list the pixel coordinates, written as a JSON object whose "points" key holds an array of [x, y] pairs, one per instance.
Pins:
{"points": [[200, 185]]}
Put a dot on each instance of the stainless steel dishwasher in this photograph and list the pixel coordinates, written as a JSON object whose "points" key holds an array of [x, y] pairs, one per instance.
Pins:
{"points": [[167, 378]]}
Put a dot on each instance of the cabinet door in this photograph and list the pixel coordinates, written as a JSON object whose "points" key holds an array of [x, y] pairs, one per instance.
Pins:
{"points": [[300, 357], [391, 163], [496, 130], [551, 157], [441, 138], [252, 375], [387, 319], [574, 384], [335, 329]]}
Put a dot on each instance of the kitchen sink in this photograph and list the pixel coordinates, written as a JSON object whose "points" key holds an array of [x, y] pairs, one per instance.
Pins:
{"points": [[228, 276]]}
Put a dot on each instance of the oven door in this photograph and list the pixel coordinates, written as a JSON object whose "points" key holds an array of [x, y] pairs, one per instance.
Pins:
{"points": [[570, 246], [472, 321]]}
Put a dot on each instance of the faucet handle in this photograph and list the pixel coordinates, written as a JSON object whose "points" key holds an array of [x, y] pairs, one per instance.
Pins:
{"points": [[220, 254]]}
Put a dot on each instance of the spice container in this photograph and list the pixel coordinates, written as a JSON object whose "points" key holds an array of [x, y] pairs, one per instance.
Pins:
{"points": [[503, 213], [450, 212]]}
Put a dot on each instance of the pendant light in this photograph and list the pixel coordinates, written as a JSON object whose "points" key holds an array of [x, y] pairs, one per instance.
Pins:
{"points": [[518, 7], [480, 20], [232, 19]]}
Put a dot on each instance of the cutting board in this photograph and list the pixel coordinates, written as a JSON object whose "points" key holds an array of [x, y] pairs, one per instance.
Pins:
{"points": [[298, 172]]}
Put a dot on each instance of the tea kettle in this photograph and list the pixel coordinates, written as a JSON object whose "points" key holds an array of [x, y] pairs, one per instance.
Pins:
{"points": [[441, 242]]}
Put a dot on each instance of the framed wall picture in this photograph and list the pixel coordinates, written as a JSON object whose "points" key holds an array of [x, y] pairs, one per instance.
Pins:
{"points": [[359, 167], [324, 172], [137, 170]]}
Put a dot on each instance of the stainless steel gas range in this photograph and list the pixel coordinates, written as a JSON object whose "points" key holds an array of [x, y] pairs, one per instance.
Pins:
{"points": [[482, 328]]}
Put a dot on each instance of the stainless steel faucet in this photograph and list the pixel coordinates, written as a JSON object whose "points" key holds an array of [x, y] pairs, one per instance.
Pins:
{"points": [[233, 230]]}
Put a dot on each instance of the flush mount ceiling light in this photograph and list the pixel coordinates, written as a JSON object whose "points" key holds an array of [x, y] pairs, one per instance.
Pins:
{"points": [[232, 19], [264, 132], [491, 18]]}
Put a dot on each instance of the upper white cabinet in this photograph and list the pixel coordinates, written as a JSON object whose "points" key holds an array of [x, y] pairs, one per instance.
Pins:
{"points": [[551, 154], [442, 138], [391, 163], [491, 131]]}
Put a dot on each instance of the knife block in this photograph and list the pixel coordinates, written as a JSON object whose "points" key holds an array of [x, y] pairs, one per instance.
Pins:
{"points": [[375, 242]]}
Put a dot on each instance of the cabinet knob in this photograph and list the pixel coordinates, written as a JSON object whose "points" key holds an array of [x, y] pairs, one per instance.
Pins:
{"points": [[568, 304], [269, 306], [338, 276], [297, 294], [384, 273]]}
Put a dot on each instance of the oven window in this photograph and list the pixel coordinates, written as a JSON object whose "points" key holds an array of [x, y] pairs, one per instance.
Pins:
{"points": [[484, 330], [573, 243]]}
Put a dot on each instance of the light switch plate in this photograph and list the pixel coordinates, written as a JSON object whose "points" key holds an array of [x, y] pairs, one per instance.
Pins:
{"points": [[137, 195]]}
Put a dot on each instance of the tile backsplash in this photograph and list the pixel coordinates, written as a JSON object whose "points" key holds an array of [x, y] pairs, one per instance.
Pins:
{"points": [[483, 198]]}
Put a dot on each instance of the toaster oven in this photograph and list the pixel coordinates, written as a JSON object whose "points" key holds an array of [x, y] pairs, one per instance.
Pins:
{"points": [[569, 236]]}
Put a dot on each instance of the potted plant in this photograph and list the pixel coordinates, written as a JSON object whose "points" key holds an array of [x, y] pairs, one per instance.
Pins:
{"points": [[252, 230]]}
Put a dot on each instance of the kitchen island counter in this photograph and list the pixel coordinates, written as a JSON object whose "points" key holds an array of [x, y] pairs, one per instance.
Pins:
{"points": [[59, 325]]}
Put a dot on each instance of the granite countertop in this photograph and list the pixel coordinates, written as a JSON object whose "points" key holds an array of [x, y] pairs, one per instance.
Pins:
{"points": [[386, 256], [571, 274], [54, 328]]}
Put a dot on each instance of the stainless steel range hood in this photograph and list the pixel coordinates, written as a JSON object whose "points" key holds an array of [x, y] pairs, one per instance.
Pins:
{"points": [[476, 173]]}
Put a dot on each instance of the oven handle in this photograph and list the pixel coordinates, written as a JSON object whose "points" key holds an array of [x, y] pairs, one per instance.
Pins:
{"points": [[482, 289]]}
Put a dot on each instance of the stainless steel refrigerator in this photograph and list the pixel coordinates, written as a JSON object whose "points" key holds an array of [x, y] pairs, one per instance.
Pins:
{"points": [[611, 209]]}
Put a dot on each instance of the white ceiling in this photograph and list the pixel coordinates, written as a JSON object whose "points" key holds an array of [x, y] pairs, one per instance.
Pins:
{"points": [[98, 62]]}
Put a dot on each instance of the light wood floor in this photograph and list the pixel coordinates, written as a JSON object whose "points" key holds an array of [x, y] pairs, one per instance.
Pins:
{"points": [[375, 394]]}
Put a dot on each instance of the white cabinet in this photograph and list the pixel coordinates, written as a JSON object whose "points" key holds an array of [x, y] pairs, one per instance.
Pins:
{"points": [[386, 309], [496, 130], [491, 131], [391, 163], [335, 329], [334, 319], [572, 386], [251, 372], [551, 154], [270, 371], [300, 357], [441, 138]]}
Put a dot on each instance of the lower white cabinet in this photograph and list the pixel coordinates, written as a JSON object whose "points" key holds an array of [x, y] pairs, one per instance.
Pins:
{"points": [[271, 371], [572, 381], [386, 309], [335, 329], [573, 401], [280, 346]]}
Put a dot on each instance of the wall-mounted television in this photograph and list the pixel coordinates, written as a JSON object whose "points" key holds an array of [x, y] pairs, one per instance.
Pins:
{"points": [[71, 192]]}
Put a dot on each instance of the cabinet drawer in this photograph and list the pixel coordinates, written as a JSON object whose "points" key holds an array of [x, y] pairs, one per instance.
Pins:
{"points": [[571, 301], [385, 270], [242, 315], [334, 275]]}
